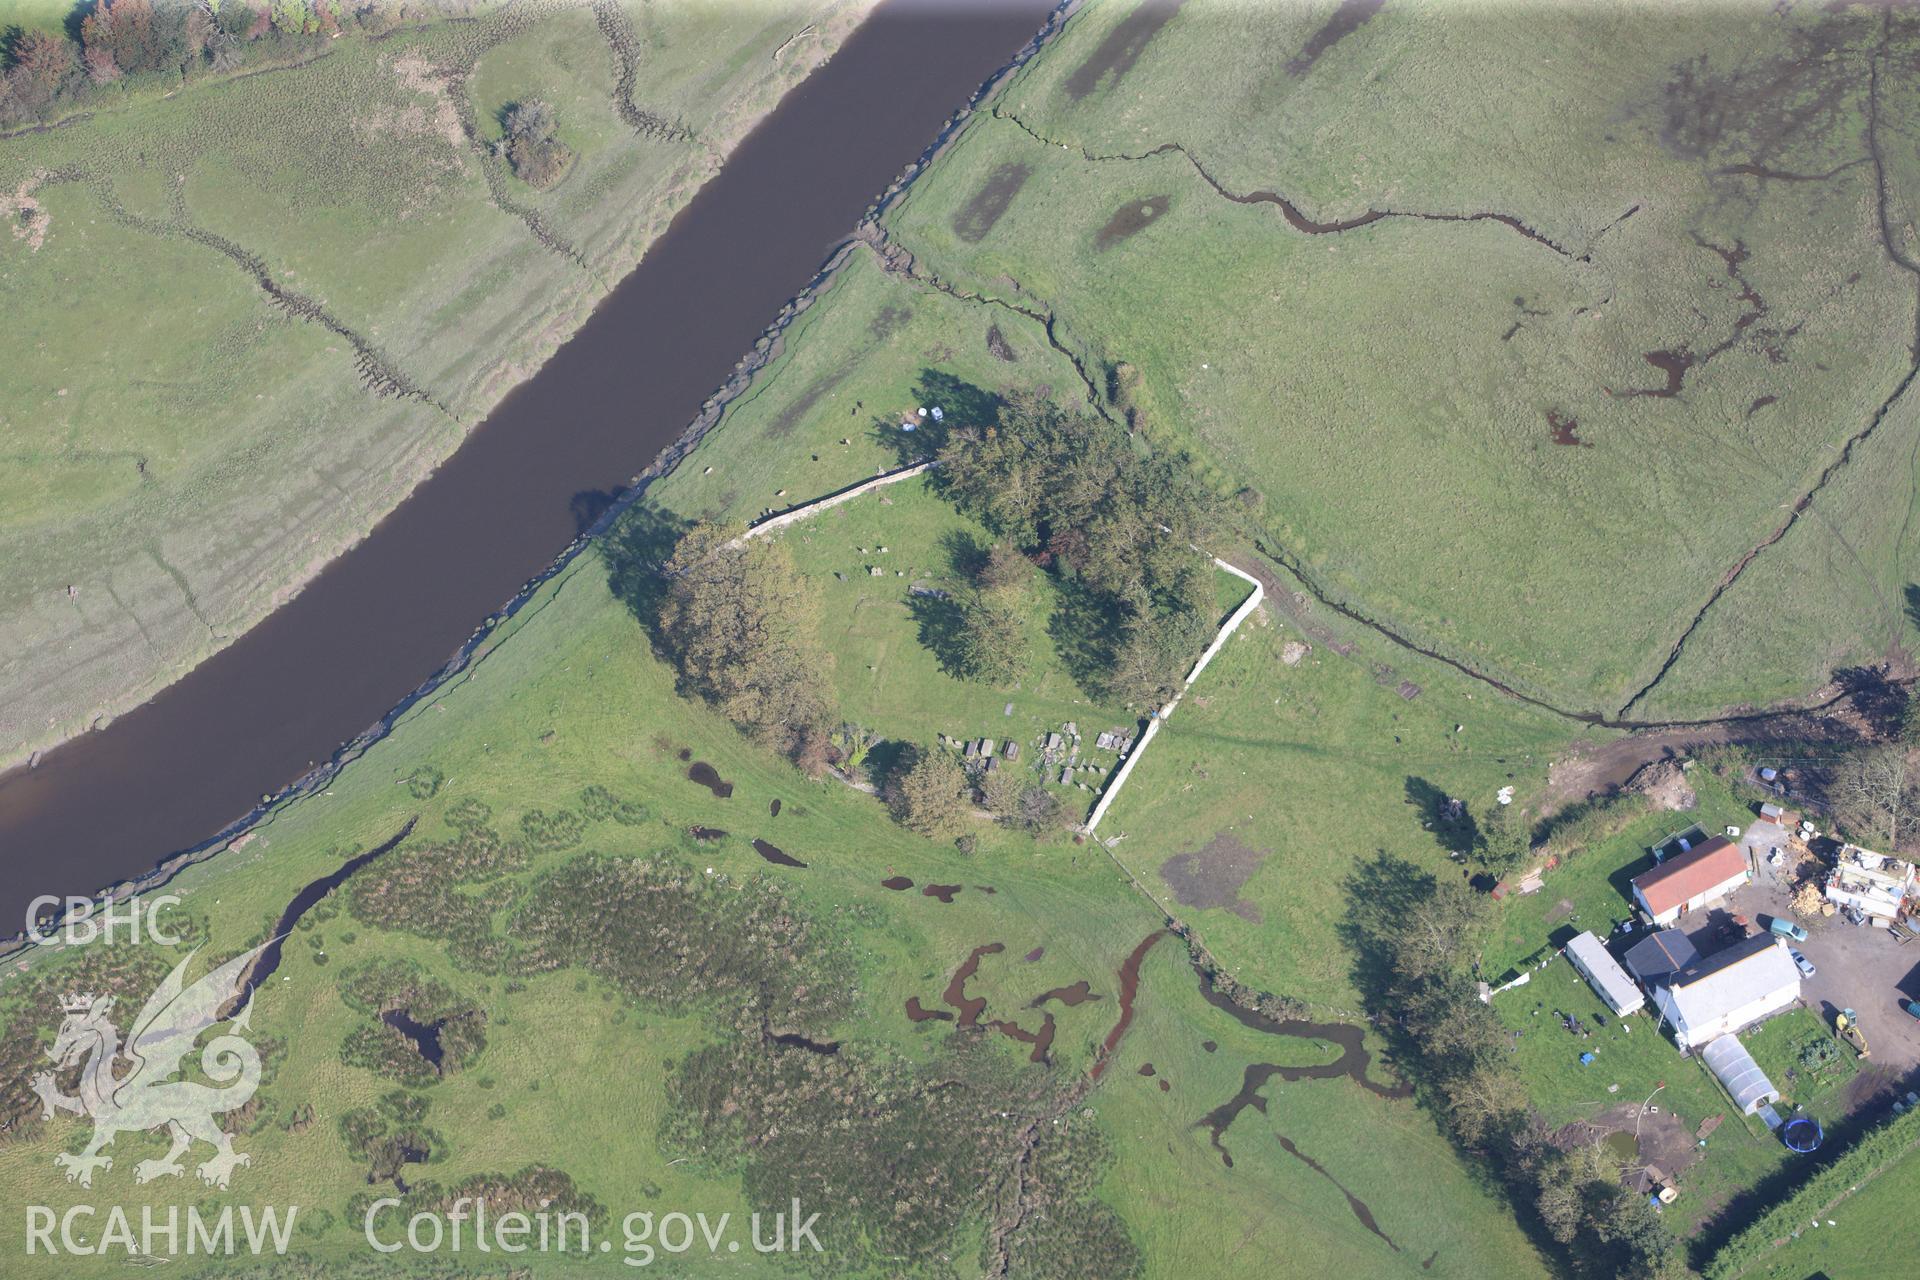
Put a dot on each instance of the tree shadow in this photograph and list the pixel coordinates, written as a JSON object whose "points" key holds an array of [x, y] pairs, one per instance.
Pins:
{"points": [[589, 505], [966, 555], [941, 622], [1913, 603], [1447, 818], [960, 404], [1880, 702], [886, 759], [635, 548], [1085, 630]]}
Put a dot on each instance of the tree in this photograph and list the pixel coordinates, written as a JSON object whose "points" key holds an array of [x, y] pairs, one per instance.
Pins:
{"points": [[1041, 814], [991, 644], [1000, 791], [1505, 842], [741, 624], [43, 65], [1151, 661], [1910, 720], [537, 157], [1876, 790], [929, 795], [1004, 568]]}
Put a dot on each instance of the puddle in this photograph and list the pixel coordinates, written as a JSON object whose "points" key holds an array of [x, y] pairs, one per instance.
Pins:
{"points": [[1211, 1046], [1129, 988], [1077, 994], [1354, 1202], [1565, 430], [944, 892], [917, 1012], [1109, 63], [1761, 403], [773, 810], [978, 215], [1146, 1069], [956, 992], [1041, 1040], [1035, 954], [794, 1040], [775, 854], [709, 777], [425, 1036], [1131, 219], [303, 902], [896, 883], [1348, 18], [706, 834]]}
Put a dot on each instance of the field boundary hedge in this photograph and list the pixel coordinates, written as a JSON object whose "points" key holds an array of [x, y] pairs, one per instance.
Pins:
{"points": [[1876, 1152]]}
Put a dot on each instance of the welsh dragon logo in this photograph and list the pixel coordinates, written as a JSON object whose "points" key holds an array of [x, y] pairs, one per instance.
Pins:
{"points": [[147, 1097]]}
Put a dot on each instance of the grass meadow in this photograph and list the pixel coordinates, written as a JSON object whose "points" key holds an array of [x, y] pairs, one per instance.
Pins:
{"points": [[1396, 394], [569, 697]]}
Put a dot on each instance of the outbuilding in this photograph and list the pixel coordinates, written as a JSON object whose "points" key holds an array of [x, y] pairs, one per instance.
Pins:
{"points": [[1603, 973], [1693, 880], [1729, 1060], [1656, 957]]}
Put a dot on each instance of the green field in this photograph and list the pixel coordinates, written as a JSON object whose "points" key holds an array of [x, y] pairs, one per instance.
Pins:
{"points": [[182, 452], [571, 698], [1387, 391]]}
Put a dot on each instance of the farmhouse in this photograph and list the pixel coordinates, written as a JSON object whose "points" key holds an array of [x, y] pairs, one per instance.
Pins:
{"points": [[1730, 989], [1870, 885], [1655, 957], [1691, 881], [1603, 973]]}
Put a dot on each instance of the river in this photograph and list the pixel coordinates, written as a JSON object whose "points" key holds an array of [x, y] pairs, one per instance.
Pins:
{"points": [[166, 776]]}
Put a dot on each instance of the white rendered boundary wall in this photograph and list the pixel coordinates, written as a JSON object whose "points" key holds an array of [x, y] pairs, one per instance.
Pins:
{"points": [[1159, 717], [785, 518]]}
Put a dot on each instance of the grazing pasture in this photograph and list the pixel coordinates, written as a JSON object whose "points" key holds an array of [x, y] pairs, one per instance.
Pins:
{"points": [[1526, 377]]}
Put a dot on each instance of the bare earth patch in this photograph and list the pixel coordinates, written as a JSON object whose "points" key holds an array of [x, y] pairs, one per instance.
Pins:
{"points": [[24, 214], [1213, 875]]}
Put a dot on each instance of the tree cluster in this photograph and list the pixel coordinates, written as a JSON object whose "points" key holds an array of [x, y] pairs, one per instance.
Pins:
{"points": [[46, 72], [741, 623], [1074, 492], [1418, 937], [536, 156]]}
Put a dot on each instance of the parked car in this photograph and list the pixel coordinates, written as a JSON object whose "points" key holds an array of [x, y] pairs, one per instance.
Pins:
{"points": [[1801, 963], [1912, 1007], [1786, 929]]}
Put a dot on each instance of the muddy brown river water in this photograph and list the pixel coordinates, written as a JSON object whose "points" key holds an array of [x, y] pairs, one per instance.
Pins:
{"points": [[380, 620]]}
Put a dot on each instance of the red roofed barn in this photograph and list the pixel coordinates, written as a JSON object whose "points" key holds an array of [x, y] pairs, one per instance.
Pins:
{"points": [[1691, 881]]}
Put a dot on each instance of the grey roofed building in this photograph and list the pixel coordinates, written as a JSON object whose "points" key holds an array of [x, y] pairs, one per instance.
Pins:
{"points": [[1603, 973], [1653, 958], [1738, 1071]]}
